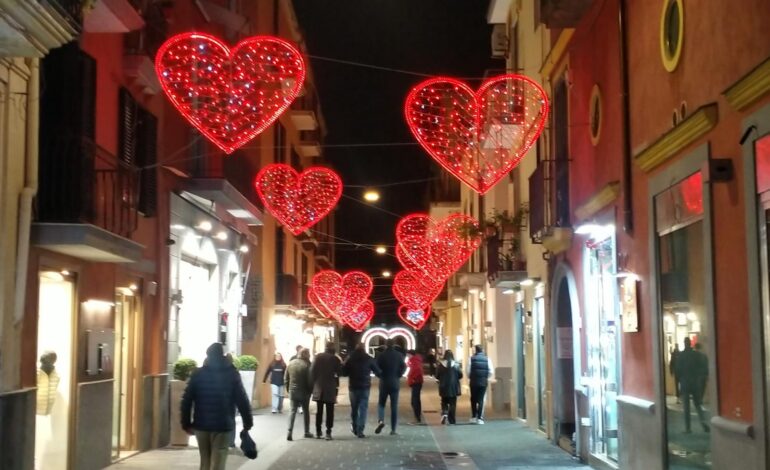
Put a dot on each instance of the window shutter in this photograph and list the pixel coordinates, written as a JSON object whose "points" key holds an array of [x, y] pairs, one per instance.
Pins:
{"points": [[147, 157], [128, 127]]}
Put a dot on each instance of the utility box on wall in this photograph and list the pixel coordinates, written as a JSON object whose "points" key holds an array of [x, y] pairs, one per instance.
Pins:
{"points": [[100, 348]]}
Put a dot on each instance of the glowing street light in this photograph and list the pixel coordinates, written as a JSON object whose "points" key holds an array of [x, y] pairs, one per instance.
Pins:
{"points": [[381, 250], [386, 274], [372, 196]]}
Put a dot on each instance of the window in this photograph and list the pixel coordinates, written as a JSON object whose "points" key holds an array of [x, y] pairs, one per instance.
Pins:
{"points": [[137, 148], [671, 33]]}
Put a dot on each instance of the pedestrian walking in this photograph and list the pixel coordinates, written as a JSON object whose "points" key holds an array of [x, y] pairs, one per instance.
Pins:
{"points": [[298, 350], [359, 368], [325, 375], [693, 371], [276, 370], [414, 379], [393, 365], [479, 372], [672, 367], [208, 407], [449, 374], [299, 387]]}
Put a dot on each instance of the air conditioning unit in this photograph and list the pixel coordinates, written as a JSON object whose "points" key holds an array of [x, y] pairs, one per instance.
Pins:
{"points": [[500, 41]]}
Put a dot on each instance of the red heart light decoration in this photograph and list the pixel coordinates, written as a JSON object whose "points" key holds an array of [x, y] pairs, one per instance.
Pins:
{"points": [[414, 290], [414, 317], [436, 249], [477, 136], [361, 317], [229, 95], [315, 302], [342, 295], [298, 200]]}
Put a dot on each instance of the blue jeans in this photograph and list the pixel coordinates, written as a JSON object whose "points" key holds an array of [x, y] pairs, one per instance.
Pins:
{"points": [[384, 394], [359, 404]]}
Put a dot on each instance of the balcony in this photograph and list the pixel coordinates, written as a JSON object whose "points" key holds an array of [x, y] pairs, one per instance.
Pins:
{"points": [[309, 143], [505, 266], [563, 13], [87, 205], [549, 205], [303, 113], [286, 291], [113, 16], [31, 28], [142, 45]]}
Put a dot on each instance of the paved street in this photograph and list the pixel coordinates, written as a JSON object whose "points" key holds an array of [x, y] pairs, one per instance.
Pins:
{"points": [[499, 444]]}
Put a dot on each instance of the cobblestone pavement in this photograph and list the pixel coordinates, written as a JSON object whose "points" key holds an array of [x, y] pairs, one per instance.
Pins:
{"points": [[500, 444]]}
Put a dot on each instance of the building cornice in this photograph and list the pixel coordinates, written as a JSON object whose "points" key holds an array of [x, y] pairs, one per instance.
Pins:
{"points": [[685, 133], [598, 201], [749, 88], [557, 52]]}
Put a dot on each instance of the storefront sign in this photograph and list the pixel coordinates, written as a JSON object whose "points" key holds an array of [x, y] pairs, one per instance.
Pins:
{"points": [[628, 303]]}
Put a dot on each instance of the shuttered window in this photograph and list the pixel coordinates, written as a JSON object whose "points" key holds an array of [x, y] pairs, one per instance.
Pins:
{"points": [[147, 157], [129, 109]]}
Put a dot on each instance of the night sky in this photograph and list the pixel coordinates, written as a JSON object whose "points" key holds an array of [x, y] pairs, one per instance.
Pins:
{"points": [[365, 106]]}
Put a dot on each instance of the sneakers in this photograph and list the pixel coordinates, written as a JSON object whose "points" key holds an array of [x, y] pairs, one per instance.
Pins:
{"points": [[473, 421], [309, 435], [443, 419], [479, 421], [353, 430], [361, 435], [393, 433], [288, 437], [379, 427], [328, 437]]}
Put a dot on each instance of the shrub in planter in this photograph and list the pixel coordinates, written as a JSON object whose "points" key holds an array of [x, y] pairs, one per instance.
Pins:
{"points": [[183, 368], [247, 363]]}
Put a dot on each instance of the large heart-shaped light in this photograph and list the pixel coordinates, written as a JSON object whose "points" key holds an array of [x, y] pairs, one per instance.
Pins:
{"points": [[342, 295], [230, 95], [414, 290], [361, 316], [436, 249], [298, 201], [315, 302], [414, 317], [477, 136]]}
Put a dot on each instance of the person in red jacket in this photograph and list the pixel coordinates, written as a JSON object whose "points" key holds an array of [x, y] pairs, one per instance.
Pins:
{"points": [[414, 380]]}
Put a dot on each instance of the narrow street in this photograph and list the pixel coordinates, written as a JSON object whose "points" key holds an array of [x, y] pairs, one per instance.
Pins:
{"points": [[501, 443]]}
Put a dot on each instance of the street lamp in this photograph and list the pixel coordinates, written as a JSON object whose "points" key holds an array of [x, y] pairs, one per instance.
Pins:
{"points": [[372, 196], [381, 250], [386, 274]]}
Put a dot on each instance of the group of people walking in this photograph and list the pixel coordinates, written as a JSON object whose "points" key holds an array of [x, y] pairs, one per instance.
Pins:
{"points": [[215, 391]]}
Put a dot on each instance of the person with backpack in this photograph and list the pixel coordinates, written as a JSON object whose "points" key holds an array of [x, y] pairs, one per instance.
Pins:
{"points": [[208, 407]]}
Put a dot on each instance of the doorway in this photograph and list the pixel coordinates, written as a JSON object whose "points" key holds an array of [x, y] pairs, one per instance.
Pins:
{"points": [[56, 313], [541, 367], [564, 369], [125, 389], [520, 351]]}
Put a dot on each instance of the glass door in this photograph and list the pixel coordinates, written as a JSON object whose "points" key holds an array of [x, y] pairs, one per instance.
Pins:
{"points": [[541, 369], [126, 364], [520, 351], [603, 348]]}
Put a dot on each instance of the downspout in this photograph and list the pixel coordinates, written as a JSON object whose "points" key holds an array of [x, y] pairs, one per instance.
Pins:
{"points": [[30, 188], [628, 210]]}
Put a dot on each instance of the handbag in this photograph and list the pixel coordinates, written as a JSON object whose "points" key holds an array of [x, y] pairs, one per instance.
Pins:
{"points": [[248, 446]]}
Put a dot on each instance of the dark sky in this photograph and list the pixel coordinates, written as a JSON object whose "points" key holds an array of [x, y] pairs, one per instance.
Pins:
{"points": [[365, 106]]}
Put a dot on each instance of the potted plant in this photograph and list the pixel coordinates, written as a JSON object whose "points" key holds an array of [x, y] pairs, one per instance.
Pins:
{"points": [[468, 230], [183, 369], [247, 365]]}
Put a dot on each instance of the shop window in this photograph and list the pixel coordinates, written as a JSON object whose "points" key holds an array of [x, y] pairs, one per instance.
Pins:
{"points": [[762, 153], [686, 327], [671, 33]]}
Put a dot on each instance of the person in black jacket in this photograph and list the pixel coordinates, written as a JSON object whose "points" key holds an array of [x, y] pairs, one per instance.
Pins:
{"points": [[358, 368], [449, 375], [480, 369], [212, 396], [325, 375], [393, 365], [276, 371]]}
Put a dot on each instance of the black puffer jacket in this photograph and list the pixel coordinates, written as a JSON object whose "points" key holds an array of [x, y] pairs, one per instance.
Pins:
{"points": [[214, 392], [359, 368], [449, 375], [393, 365]]}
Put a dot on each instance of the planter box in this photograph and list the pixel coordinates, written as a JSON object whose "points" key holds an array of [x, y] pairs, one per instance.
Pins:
{"points": [[178, 436], [248, 378]]}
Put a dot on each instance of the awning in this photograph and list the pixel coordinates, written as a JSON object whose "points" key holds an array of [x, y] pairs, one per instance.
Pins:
{"points": [[225, 197]]}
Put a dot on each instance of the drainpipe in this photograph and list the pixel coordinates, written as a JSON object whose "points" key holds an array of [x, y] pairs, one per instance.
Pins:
{"points": [[30, 188], [628, 211]]}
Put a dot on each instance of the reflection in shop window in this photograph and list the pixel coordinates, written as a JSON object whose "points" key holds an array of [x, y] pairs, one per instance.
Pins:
{"points": [[686, 327]]}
